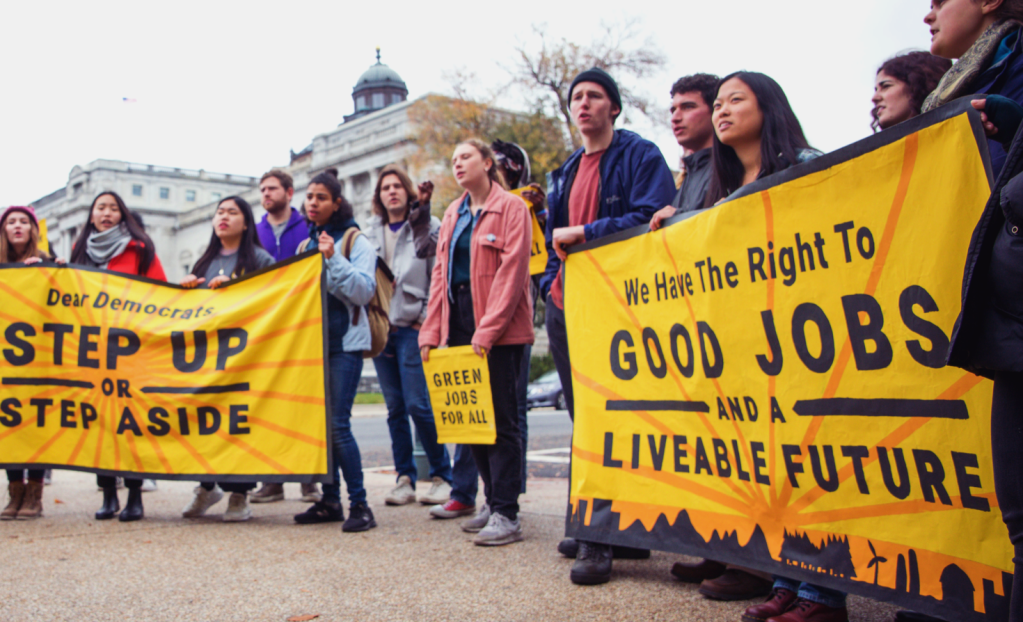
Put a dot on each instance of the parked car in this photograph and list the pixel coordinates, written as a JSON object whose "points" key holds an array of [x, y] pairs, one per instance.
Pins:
{"points": [[546, 391]]}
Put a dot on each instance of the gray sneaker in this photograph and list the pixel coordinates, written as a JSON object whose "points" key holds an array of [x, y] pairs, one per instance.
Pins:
{"points": [[238, 509], [202, 501], [474, 524], [499, 530], [269, 493], [311, 493], [440, 492], [403, 493]]}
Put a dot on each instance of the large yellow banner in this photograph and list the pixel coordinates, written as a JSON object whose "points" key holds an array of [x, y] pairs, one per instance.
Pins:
{"points": [[123, 375], [763, 383]]}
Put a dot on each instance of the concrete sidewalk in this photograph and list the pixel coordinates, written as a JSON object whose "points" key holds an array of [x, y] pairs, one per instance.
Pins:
{"points": [[68, 566]]}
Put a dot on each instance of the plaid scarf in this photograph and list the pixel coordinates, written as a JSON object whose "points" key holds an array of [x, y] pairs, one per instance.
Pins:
{"points": [[958, 81]]}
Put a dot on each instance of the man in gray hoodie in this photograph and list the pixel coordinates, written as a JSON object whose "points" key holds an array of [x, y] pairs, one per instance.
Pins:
{"points": [[405, 236]]}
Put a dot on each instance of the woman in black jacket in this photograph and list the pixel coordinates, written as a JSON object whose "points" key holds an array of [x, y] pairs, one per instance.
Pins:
{"points": [[988, 335]]}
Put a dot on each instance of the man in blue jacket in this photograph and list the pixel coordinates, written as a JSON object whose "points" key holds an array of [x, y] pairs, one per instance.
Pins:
{"points": [[280, 232], [616, 181]]}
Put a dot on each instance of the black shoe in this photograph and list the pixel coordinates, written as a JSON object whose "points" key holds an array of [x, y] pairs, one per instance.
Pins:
{"points": [[360, 518], [111, 506], [592, 564], [133, 508], [321, 512], [569, 547]]}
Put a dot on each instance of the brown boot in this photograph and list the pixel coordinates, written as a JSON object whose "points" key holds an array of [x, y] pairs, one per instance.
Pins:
{"points": [[32, 505], [735, 584], [268, 493], [699, 572], [17, 492], [780, 601]]}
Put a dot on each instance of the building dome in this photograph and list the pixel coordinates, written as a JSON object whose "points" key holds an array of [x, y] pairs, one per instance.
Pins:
{"points": [[378, 87]]}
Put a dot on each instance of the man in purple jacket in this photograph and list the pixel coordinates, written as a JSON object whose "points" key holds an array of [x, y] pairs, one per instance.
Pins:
{"points": [[280, 232], [283, 228]]}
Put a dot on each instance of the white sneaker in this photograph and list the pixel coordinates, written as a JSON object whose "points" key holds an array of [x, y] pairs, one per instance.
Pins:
{"points": [[238, 509], [479, 521], [440, 492], [499, 530], [148, 485], [202, 501], [403, 493]]}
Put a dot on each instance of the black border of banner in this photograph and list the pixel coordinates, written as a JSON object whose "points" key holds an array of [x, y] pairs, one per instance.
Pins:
{"points": [[609, 532], [305, 478]]}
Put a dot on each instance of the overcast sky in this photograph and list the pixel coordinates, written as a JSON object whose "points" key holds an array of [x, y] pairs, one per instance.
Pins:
{"points": [[232, 86]]}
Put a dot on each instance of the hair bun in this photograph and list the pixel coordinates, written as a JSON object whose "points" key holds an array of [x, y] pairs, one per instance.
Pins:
{"points": [[332, 171]]}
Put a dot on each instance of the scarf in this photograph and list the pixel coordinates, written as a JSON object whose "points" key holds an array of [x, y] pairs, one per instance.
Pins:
{"points": [[102, 247], [958, 81]]}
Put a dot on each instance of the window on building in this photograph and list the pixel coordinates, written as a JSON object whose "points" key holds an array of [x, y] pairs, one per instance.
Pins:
{"points": [[190, 195], [164, 193], [136, 190], [395, 98], [360, 102], [378, 100], [215, 196]]}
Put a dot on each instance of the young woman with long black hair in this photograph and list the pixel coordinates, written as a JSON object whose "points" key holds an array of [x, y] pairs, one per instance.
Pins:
{"points": [[113, 240], [234, 250], [351, 283]]}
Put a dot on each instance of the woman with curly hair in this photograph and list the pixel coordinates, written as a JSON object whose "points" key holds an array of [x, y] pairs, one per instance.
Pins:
{"points": [[903, 83]]}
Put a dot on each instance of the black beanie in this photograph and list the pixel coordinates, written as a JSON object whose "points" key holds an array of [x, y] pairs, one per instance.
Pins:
{"points": [[604, 79]]}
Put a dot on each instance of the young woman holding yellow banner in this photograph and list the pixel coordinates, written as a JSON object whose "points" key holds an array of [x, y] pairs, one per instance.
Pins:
{"points": [[479, 295], [234, 250], [351, 283], [113, 240], [19, 243]]}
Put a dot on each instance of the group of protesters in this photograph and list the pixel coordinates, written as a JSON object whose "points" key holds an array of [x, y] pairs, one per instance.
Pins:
{"points": [[464, 280]]}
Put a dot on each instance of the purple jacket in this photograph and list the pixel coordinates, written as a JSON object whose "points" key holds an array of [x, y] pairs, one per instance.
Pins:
{"points": [[295, 231]]}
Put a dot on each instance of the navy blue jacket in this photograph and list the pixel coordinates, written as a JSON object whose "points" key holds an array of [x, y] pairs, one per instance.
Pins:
{"points": [[635, 182], [1006, 79]]}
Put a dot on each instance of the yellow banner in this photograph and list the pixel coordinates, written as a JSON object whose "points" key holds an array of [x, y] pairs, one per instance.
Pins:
{"points": [[124, 375], [764, 384], [538, 249], [463, 407]]}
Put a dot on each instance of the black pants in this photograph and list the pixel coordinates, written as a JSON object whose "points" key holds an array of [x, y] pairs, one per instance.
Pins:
{"points": [[1006, 440], [557, 337], [500, 464], [109, 481], [18, 475], [240, 488]]}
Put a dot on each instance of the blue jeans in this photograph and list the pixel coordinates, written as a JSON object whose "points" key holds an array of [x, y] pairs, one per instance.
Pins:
{"points": [[812, 593], [400, 371], [345, 371], [465, 483]]}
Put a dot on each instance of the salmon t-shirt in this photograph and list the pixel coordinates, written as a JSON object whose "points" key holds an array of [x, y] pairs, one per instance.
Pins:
{"points": [[583, 206]]}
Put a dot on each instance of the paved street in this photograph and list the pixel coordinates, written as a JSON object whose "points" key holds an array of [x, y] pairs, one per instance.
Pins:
{"points": [[69, 567]]}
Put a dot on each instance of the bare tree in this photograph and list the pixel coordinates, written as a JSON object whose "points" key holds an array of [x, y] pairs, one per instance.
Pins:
{"points": [[545, 67]]}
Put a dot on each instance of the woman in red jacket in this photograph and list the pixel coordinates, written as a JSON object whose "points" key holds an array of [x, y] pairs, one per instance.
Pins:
{"points": [[479, 295], [113, 240]]}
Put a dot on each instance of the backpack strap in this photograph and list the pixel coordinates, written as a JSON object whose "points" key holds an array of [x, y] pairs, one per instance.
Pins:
{"points": [[346, 244]]}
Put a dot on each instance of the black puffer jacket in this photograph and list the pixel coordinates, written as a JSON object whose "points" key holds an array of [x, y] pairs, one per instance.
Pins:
{"points": [[988, 335]]}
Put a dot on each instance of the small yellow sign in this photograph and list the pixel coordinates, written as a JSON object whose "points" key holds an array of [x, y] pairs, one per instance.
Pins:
{"points": [[463, 407]]}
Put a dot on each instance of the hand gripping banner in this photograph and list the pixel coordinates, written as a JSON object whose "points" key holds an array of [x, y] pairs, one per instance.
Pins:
{"points": [[463, 406], [127, 376], [763, 383]]}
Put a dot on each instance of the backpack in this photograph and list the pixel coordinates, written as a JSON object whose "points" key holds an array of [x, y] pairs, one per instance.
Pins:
{"points": [[379, 308]]}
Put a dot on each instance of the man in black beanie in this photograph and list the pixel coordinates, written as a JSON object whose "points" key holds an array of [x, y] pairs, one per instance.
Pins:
{"points": [[585, 202]]}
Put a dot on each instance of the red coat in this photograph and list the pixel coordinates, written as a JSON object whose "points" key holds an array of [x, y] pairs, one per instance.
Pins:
{"points": [[128, 262], [499, 255]]}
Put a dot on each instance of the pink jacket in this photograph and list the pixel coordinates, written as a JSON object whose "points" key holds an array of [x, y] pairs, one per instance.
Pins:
{"points": [[499, 252]]}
